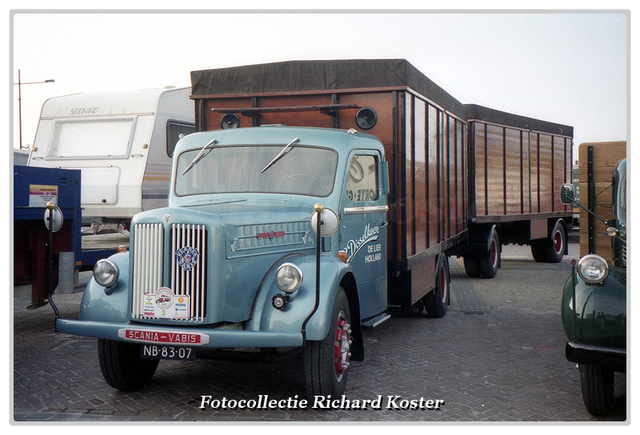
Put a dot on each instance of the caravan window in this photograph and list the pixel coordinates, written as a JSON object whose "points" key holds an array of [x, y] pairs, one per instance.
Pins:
{"points": [[174, 130], [91, 138]]}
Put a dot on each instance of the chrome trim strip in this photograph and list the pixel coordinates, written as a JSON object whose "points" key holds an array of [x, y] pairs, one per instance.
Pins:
{"points": [[366, 209]]}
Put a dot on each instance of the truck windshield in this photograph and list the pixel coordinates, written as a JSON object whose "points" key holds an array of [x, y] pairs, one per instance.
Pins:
{"points": [[237, 169]]}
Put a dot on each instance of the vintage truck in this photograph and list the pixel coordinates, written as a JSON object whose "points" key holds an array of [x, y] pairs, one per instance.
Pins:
{"points": [[314, 196], [594, 302]]}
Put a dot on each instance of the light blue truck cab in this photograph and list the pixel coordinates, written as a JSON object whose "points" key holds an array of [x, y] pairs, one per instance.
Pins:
{"points": [[232, 261], [594, 305]]}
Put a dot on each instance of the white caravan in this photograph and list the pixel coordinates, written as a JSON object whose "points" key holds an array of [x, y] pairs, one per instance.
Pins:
{"points": [[121, 141]]}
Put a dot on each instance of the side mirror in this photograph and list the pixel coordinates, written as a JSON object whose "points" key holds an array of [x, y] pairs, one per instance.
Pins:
{"points": [[567, 194]]}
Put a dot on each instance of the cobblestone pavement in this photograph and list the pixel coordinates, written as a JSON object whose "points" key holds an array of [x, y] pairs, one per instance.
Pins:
{"points": [[498, 355]]}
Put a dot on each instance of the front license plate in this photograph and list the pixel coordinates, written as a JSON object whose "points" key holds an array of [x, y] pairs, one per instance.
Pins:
{"points": [[152, 351]]}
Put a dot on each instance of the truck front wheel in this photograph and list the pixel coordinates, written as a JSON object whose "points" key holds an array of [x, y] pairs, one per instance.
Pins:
{"points": [[122, 366], [326, 362]]}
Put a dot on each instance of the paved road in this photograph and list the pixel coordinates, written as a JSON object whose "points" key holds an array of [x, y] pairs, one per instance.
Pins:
{"points": [[498, 355]]}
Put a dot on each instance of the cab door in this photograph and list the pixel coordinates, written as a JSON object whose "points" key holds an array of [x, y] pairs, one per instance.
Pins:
{"points": [[363, 229]]}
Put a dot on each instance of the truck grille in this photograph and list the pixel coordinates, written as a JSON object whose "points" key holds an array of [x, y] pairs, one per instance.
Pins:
{"points": [[186, 266]]}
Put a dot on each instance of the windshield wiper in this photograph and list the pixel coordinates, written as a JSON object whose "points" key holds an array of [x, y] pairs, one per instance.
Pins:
{"points": [[281, 154], [199, 157]]}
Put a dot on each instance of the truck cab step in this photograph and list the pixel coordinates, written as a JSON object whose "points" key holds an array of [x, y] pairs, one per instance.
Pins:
{"points": [[376, 321]]}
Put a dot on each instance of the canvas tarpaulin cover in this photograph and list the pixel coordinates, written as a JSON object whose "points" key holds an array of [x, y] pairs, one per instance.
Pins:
{"points": [[315, 75]]}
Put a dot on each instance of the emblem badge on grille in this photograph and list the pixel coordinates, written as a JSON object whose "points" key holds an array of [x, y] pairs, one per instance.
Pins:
{"points": [[187, 257]]}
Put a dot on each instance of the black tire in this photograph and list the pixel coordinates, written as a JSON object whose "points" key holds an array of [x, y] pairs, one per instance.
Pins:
{"points": [[539, 252], [551, 250], [326, 362], [490, 263], [597, 388], [471, 267], [122, 367], [437, 301]]}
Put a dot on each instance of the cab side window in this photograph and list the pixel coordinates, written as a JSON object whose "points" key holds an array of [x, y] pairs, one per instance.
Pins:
{"points": [[362, 183]]}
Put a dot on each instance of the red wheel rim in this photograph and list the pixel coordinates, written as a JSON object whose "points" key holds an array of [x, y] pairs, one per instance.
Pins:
{"points": [[558, 242], [342, 346]]}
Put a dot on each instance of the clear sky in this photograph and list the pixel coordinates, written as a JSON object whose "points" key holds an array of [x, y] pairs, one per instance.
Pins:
{"points": [[568, 67]]}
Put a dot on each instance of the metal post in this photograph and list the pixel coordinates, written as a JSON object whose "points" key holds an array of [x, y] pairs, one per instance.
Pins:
{"points": [[318, 209], [20, 83]]}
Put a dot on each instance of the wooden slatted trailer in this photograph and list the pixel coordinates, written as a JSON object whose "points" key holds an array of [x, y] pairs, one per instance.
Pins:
{"points": [[517, 166]]}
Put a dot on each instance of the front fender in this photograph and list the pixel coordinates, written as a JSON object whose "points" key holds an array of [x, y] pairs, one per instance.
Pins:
{"points": [[595, 314], [97, 306], [301, 304]]}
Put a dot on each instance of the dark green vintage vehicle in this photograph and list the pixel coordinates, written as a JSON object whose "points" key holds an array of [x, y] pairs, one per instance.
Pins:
{"points": [[594, 312]]}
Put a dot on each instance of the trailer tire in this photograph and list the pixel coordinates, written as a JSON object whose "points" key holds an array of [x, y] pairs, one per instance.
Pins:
{"points": [[122, 366], [471, 267], [538, 252], [437, 301], [489, 263], [551, 250], [326, 362], [597, 388], [557, 243]]}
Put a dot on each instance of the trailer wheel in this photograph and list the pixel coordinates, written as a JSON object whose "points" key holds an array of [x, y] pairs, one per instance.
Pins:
{"points": [[326, 362], [490, 263], [551, 250], [539, 252], [471, 267], [597, 388], [122, 367], [437, 302], [557, 243]]}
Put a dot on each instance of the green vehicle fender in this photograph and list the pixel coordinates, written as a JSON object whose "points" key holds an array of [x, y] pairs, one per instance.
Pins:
{"points": [[300, 313], [597, 316], [99, 306]]}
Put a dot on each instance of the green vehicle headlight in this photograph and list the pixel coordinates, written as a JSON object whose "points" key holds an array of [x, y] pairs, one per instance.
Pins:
{"points": [[289, 277], [593, 269]]}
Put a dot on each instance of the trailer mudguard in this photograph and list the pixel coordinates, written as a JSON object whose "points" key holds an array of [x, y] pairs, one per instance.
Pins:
{"points": [[97, 306]]}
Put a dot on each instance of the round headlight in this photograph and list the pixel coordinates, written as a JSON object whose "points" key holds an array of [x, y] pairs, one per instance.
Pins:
{"points": [[105, 273], [289, 277], [593, 269]]}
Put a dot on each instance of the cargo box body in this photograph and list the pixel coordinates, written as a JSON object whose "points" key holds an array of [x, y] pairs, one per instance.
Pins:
{"points": [[519, 165], [423, 130]]}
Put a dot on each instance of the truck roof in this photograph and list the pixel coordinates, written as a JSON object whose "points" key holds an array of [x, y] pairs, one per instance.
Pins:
{"points": [[340, 140], [320, 75]]}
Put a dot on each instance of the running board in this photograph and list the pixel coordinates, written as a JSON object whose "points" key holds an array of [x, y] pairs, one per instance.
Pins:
{"points": [[376, 321]]}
